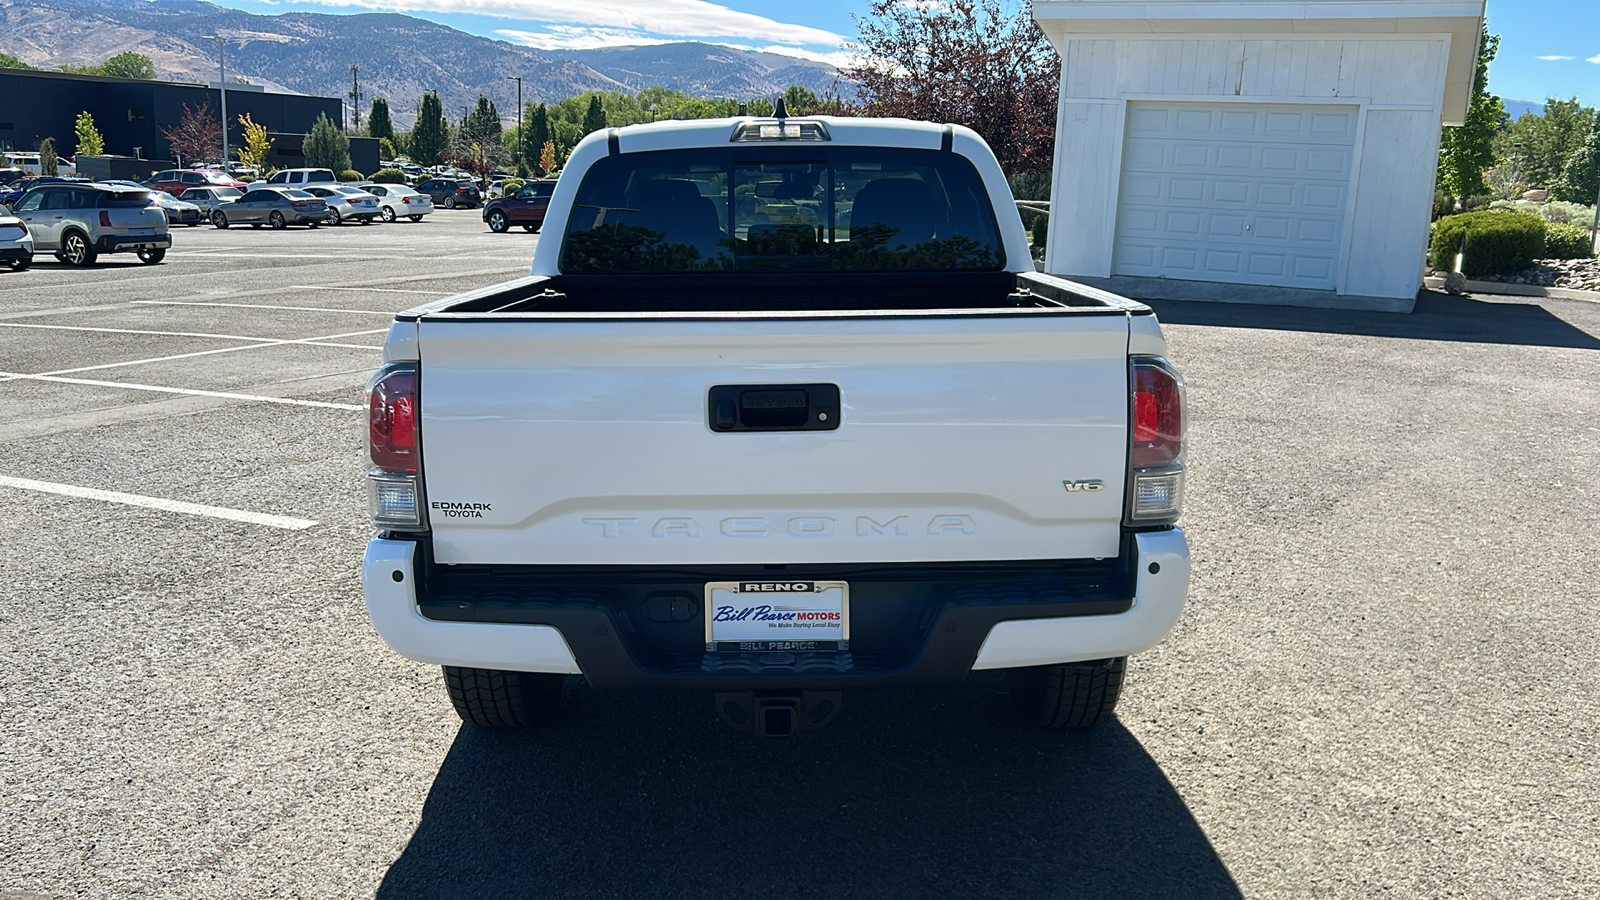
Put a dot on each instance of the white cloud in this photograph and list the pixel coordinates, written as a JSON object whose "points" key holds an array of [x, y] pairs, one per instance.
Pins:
{"points": [[1594, 59], [671, 18], [837, 58], [1557, 58], [577, 37]]}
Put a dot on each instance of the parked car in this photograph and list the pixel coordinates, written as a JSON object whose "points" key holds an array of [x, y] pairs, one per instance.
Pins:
{"points": [[16, 243], [176, 181], [279, 207], [346, 203], [14, 192], [8, 176], [451, 193], [296, 178], [179, 212], [525, 206], [396, 200], [656, 549], [209, 198], [80, 221]]}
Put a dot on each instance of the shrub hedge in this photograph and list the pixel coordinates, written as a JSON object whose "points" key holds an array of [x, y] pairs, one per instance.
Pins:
{"points": [[1497, 243], [389, 176], [351, 175], [1567, 242]]}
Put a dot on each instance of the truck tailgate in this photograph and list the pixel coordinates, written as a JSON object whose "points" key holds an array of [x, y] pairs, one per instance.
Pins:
{"points": [[589, 440]]}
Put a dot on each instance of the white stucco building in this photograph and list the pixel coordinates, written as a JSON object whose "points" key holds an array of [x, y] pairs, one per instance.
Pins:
{"points": [[1253, 150]]}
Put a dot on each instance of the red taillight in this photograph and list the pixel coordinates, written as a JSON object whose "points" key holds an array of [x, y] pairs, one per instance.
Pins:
{"points": [[105, 218], [392, 419], [1157, 414]]}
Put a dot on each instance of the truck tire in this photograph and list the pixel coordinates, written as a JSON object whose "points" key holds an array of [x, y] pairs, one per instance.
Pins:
{"points": [[490, 698], [1074, 695]]}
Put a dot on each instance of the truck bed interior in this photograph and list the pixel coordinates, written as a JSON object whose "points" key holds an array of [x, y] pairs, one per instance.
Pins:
{"points": [[765, 293]]}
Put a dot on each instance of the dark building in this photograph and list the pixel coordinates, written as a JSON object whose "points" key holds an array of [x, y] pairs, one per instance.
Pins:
{"points": [[287, 153], [131, 114]]}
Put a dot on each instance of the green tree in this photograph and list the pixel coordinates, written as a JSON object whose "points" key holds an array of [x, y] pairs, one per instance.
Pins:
{"points": [[48, 161], [7, 61], [1539, 145], [799, 101], [1466, 151], [129, 65], [538, 133], [90, 143], [482, 124], [326, 146], [1580, 180], [595, 118], [378, 123], [386, 148], [429, 135]]}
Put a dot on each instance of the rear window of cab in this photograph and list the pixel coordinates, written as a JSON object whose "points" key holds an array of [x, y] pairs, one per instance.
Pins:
{"points": [[794, 208]]}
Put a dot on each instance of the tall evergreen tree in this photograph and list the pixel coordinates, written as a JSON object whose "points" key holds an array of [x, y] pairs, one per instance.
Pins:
{"points": [[538, 134], [482, 125], [595, 119], [1466, 151], [378, 123], [428, 137], [326, 146], [1580, 180]]}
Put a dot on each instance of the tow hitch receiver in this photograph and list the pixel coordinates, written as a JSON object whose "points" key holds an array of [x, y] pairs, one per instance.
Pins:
{"points": [[778, 714]]}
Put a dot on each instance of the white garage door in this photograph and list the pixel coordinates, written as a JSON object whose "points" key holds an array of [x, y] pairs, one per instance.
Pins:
{"points": [[1236, 193]]}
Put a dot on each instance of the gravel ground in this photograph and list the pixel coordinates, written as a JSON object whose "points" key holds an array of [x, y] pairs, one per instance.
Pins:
{"points": [[1384, 683]]}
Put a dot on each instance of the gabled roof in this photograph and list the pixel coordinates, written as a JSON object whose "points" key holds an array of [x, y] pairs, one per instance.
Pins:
{"points": [[1461, 19]]}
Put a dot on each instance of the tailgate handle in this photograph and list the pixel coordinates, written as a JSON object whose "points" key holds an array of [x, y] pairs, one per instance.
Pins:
{"points": [[773, 407]]}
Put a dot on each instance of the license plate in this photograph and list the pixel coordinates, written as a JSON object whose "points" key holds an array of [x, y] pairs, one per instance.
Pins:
{"points": [[141, 232], [777, 616]]}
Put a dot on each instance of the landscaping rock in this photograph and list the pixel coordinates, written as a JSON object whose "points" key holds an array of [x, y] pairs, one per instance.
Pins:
{"points": [[1455, 283]]}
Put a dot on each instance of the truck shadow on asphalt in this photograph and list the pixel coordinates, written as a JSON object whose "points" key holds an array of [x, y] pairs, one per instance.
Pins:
{"points": [[911, 793], [1437, 317]]}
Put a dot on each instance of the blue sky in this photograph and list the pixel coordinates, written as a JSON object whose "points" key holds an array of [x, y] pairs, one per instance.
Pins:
{"points": [[1548, 47]]}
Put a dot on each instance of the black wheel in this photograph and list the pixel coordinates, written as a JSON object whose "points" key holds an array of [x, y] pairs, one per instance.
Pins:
{"points": [[255, 224], [498, 222], [18, 265], [152, 256], [277, 220], [415, 218], [1075, 695], [313, 223], [490, 698], [388, 214], [365, 220], [334, 218], [449, 202], [76, 251], [529, 229], [219, 219]]}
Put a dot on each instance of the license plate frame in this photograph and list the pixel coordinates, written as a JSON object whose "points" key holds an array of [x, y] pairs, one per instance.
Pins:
{"points": [[823, 612]]}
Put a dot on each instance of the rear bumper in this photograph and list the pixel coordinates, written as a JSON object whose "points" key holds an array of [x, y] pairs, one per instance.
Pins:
{"points": [[21, 253], [934, 629], [114, 243]]}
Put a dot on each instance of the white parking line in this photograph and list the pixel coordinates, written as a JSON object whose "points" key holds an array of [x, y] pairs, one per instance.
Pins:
{"points": [[370, 312], [318, 287], [325, 341], [177, 506], [193, 392], [192, 334]]}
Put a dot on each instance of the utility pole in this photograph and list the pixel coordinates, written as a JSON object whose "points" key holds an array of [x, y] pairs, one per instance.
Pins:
{"points": [[222, 88], [355, 94], [522, 171]]}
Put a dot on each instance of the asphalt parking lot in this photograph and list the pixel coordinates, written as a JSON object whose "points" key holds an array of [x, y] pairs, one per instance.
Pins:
{"points": [[1385, 683]]}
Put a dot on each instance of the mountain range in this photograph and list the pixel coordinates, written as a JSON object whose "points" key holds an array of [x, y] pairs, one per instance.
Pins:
{"points": [[399, 56]]}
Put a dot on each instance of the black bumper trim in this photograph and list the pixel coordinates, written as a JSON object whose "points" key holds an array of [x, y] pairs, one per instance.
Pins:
{"points": [[932, 618]]}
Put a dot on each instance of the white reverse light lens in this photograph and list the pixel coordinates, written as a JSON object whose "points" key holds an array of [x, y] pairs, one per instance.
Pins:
{"points": [[392, 501], [1157, 496]]}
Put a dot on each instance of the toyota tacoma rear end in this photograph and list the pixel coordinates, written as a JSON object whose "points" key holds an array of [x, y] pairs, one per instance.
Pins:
{"points": [[783, 410]]}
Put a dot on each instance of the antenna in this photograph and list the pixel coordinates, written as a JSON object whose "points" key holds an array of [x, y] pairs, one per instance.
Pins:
{"points": [[779, 111]]}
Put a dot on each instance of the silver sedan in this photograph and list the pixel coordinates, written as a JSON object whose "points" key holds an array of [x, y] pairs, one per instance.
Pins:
{"points": [[209, 198], [276, 206], [346, 203]]}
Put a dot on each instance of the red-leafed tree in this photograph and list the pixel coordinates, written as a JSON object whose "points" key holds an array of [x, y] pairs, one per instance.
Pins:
{"points": [[980, 63], [198, 135]]}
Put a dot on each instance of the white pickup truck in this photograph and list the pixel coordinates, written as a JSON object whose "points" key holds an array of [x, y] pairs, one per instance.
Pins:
{"points": [[783, 409]]}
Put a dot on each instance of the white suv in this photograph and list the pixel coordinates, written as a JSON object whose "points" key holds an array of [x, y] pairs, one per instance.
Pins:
{"points": [[296, 178], [78, 222]]}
